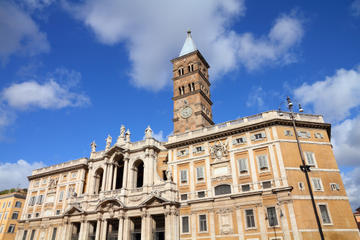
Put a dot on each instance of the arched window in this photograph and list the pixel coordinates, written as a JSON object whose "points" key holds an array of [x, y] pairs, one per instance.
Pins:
{"points": [[98, 180], [118, 172], [181, 71], [138, 174], [222, 189], [191, 67], [193, 86]]}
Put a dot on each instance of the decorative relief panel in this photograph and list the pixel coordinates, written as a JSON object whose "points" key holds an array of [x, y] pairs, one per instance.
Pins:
{"points": [[225, 220]]}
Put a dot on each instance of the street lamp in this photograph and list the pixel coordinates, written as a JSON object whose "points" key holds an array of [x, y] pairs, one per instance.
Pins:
{"points": [[304, 168]]}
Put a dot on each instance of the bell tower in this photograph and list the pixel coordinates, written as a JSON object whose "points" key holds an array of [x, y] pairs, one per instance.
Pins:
{"points": [[192, 104]]}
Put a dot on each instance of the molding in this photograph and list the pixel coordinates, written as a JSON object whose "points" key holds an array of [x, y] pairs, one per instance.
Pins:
{"points": [[314, 169], [192, 93], [60, 170], [307, 197], [187, 55]]}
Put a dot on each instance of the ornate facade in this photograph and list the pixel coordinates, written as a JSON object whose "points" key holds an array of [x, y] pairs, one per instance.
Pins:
{"points": [[235, 180]]}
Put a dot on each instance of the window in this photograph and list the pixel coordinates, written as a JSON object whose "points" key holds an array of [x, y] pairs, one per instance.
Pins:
{"points": [[240, 140], [4, 204], [57, 212], [0, 216], [304, 134], [5, 215], [15, 215], [37, 214], [288, 133], [61, 196], [198, 149], [9, 204], [32, 201], [243, 168], [53, 237], [201, 194], [191, 67], [73, 174], [222, 189], [36, 184], [310, 158], [29, 215], [11, 228], [334, 187], [272, 217], [183, 197], [317, 185], [1, 228], [32, 234], [250, 219], [258, 136], [181, 71], [324, 214], [183, 177], [182, 153], [202, 223], [18, 204], [318, 135], [263, 163], [44, 181], [200, 174], [301, 186], [245, 187], [24, 235], [40, 199], [266, 184], [185, 224]]}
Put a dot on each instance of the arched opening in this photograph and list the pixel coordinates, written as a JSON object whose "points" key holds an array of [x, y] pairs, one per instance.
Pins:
{"points": [[98, 180], [222, 189], [119, 172], [138, 173]]}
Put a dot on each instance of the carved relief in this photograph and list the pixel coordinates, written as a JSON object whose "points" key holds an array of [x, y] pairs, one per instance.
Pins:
{"points": [[225, 220], [219, 151]]}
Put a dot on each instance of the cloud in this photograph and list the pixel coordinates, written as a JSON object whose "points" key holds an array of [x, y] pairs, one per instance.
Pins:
{"points": [[346, 141], [37, 4], [14, 175], [335, 96], [19, 33], [256, 97], [352, 182], [160, 136], [154, 31], [355, 8], [275, 48], [47, 95]]}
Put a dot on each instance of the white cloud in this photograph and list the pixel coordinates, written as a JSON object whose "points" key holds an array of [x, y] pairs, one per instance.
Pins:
{"points": [[275, 48], [14, 175], [352, 182], [37, 4], [154, 32], [160, 136], [19, 33], [355, 8], [256, 98], [47, 95], [335, 96], [346, 141]]}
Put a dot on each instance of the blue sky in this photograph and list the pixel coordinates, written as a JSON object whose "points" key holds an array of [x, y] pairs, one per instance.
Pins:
{"points": [[73, 71]]}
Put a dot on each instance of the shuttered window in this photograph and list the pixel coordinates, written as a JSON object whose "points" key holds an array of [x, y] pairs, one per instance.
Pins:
{"points": [[243, 165], [200, 174], [263, 163], [183, 176]]}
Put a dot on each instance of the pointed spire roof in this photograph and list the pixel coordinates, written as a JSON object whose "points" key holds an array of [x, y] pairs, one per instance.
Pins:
{"points": [[189, 45]]}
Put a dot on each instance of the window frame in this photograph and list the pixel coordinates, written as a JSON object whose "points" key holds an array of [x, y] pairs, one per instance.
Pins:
{"points": [[203, 173], [245, 184], [247, 167], [253, 215], [236, 142], [206, 223], [16, 204], [262, 184], [268, 219], [187, 177], [320, 182], [13, 228], [313, 158], [328, 213], [197, 194], [267, 163], [182, 224], [301, 188], [224, 194], [184, 194], [337, 187], [17, 216]]}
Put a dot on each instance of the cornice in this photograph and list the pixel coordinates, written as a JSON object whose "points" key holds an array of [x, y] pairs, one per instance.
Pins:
{"points": [[60, 170], [192, 93], [197, 52], [247, 128]]}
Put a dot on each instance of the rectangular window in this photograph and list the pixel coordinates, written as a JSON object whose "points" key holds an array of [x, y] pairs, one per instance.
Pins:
{"points": [[318, 135], [250, 219], [24, 235], [11, 228], [198, 149], [324, 214], [334, 187], [53, 237], [5, 216], [44, 181], [202, 223], [258, 136], [200, 174], [183, 197], [73, 174], [243, 168], [3, 204], [37, 214], [317, 185], [57, 212], [182, 152], [301, 186], [32, 234], [15, 215], [183, 176], [29, 216], [32, 201], [310, 158], [288, 133], [266, 184], [18, 204], [263, 163], [304, 134], [1, 228], [185, 224], [61, 196], [9, 204], [40, 199], [240, 140], [245, 187], [201, 194], [0, 216], [272, 217]]}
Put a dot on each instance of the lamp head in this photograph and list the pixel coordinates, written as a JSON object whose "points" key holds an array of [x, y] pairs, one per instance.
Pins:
{"points": [[300, 108]]}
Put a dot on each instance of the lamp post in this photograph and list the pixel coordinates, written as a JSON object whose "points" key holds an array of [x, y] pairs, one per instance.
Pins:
{"points": [[304, 168]]}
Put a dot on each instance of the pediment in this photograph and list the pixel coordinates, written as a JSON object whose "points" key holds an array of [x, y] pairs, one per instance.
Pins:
{"points": [[74, 211], [110, 204], [154, 201]]}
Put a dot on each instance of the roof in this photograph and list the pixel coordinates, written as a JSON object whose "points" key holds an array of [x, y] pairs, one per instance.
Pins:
{"points": [[189, 45]]}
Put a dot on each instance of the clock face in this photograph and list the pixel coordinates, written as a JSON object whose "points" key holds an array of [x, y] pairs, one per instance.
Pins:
{"points": [[186, 112]]}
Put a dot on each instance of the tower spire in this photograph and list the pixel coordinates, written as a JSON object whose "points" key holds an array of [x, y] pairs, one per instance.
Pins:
{"points": [[189, 45]]}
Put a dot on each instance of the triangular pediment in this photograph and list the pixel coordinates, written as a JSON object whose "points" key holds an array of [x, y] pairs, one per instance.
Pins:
{"points": [[73, 210], [154, 201]]}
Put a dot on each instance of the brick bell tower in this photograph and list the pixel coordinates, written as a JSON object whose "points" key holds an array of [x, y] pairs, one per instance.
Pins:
{"points": [[192, 104]]}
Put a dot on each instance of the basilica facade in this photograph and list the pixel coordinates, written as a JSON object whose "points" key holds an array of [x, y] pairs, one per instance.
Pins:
{"points": [[234, 180]]}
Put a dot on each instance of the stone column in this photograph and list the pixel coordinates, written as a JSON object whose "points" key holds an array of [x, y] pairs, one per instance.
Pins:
{"points": [[168, 223], [98, 229], [110, 176], [263, 223], [82, 182], [121, 226], [104, 229], [239, 224], [115, 176], [212, 224], [90, 181], [126, 230], [84, 230], [143, 225], [103, 188], [125, 174], [175, 224], [149, 227]]}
